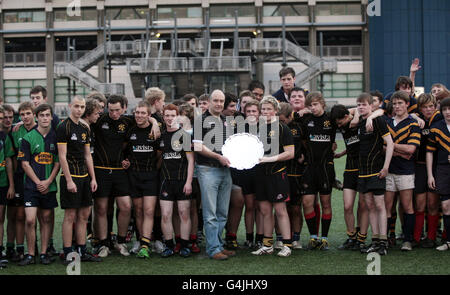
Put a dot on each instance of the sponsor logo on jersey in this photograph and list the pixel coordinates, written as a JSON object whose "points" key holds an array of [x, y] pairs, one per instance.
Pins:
{"points": [[133, 136], [172, 155], [311, 124], [20, 154], [74, 137], [105, 126], [142, 148], [44, 158], [425, 132], [352, 140], [27, 204], [320, 138]]}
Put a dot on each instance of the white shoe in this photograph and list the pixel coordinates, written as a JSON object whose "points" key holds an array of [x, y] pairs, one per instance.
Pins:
{"points": [[278, 245], [444, 247], [122, 248], [406, 246], [296, 245], [263, 250], [285, 252], [103, 252], [158, 247], [136, 247]]}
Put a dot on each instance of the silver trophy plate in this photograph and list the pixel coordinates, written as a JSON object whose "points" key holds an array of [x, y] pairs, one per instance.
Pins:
{"points": [[243, 150]]}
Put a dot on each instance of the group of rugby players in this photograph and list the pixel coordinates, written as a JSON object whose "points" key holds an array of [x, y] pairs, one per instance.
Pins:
{"points": [[397, 148]]}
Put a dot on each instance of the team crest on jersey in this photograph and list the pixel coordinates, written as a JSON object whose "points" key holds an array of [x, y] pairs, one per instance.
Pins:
{"points": [[121, 127], [176, 144], [74, 137], [3, 164], [294, 131], [133, 136], [425, 132], [326, 124], [83, 136], [272, 133], [311, 124], [52, 147], [105, 126]]}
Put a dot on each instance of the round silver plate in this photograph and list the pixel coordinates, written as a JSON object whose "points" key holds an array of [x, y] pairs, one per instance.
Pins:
{"points": [[243, 150]]}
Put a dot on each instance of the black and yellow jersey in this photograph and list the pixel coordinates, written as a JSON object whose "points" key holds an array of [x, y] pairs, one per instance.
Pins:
{"points": [[294, 167], [371, 155], [268, 133], [110, 136], [319, 134], [76, 138], [351, 140], [141, 149], [408, 132], [439, 142], [437, 116], [174, 161]]}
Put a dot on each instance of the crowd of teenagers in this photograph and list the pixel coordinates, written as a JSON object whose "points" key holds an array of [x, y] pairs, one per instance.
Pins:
{"points": [[151, 182]]}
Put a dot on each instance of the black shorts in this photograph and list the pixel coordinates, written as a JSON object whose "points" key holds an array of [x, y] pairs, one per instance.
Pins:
{"points": [[248, 182], [295, 190], [351, 180], [82, 198], [318, 179], [273, 188], [143, 183], [172, 190], [3, 199], [111, 183], [36, 199], [442, 179], [421, 180], [17, 201], [372, 184]]}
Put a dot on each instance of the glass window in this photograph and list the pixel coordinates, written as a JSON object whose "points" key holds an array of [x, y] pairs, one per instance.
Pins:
{"points": [[342, 85], [353, 9], [126, 13], [86, 14], [244, 10], [323, 9], [182, 12], [288, 9], [24, 16]]}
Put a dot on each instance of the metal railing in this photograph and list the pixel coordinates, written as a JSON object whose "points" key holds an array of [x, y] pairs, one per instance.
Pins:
{"points": [[186, 46], [86, 79], [221, 64], [157, 65], [115, 48], [342, 52], [38, 59]]}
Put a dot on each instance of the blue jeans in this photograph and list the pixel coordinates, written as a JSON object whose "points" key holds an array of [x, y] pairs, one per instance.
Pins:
{"points": [[215, 185]]}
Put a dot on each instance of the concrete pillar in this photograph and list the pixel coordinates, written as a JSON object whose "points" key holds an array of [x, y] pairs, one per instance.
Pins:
{"points": [[50, 53], [365, 48], [101, 14], [259, 67], [2, 54], [312, 38]]}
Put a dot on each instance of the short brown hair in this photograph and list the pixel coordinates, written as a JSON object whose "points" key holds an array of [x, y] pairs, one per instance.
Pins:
{"points": [[91, 106], [253, 102], [365, 97], [286, 71], [42, 108], [270, 100], [285, 109], [403, 81], [97, 96], [26, 105], [38, 88], [246, 93], [426, 98], [203, 97], [144, 104], [400, 95], [314, 96], [8, 108]]}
